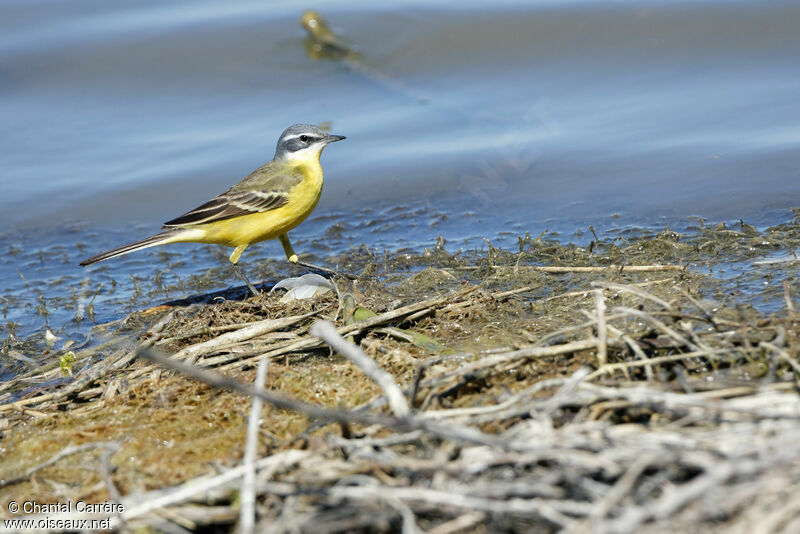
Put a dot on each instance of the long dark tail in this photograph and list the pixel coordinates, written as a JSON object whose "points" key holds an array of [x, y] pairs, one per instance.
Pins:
{"points": [[151, 241]]}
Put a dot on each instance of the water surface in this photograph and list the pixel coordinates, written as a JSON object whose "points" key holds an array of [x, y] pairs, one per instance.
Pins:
{"points": [[520, 116]]}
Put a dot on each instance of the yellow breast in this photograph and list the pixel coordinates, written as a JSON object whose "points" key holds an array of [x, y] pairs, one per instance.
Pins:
{"points": [[270, 224]]}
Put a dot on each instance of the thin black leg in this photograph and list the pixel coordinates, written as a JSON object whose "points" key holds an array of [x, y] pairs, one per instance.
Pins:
{"points": [[241, 274], [326, 270]]}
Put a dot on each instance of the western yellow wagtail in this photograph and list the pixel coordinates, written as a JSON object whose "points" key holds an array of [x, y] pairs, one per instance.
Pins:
{"points": [[266, 204]]}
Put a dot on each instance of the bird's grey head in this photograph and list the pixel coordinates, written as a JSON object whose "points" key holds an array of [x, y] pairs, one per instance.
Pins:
{"points": [[302, 139]]}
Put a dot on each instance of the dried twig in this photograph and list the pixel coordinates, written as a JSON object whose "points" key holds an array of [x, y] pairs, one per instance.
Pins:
{"points": [[682, 341], [560, 447], [246, 333], [627, 288], [600, 312], [138, 505], [247, 513], [527, 353], [327, 414], [327, 332], [568, 269], [312, 342]]}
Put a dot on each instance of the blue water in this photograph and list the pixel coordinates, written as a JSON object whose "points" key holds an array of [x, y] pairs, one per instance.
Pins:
{"points": [[495, 120]]}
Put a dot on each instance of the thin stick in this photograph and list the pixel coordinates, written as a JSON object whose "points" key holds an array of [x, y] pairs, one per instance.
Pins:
{"points": [[588, 291], [634, 346], [461, 434], [697, 304], [527, 353], [542, 341], [141, 504], [451, 499], [611, 367], [327, 270], [116, 361], [18, 405], [618, 268], [52, 369], [461, 523], [247, 516], [243, 334], [505, 294], [240, 273], [312, 342], [625, 288], [600, 312], [327, 332], [620, 489], [494, 408], [407, 514], [659, 325], [784, 355], [206, 330], [564, 269]]}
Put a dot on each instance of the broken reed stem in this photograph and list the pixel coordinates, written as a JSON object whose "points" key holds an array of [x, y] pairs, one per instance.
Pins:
{"points": [[51, 370], [589, 291], [517, 355], [590, 453], [20, 404], [113, 363], [247, 515], [600, 312], [658, 325], [246, 333], [634, 346], [625, 288], [139, 504], [451, 432], [611, 367], [784, 355], [620, 268], [205, 331], [100, 369], [355, 328], [449, 499], [327, 332]]}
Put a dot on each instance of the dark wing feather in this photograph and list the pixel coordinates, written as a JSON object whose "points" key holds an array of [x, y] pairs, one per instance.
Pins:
{"points": [[229, 205], [265, 189]]}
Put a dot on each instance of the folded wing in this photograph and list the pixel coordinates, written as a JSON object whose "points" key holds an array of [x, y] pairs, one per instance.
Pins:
{"points": [[231, 204], [267, 188]]}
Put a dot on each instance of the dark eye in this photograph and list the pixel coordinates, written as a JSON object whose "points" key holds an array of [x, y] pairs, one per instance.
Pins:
{"points": [[304, 138]]}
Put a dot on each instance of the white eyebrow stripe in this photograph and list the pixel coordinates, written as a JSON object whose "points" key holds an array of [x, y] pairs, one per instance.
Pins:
{"points": [[311, 137]]}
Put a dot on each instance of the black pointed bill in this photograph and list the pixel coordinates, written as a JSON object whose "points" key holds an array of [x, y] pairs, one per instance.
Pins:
{"points": [[331, 138]]}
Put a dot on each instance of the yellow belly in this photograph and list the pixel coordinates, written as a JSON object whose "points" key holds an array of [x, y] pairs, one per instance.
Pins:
{"points": [[249, 229]]}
